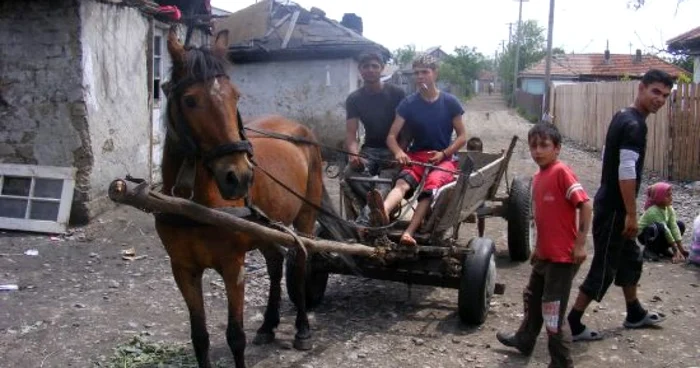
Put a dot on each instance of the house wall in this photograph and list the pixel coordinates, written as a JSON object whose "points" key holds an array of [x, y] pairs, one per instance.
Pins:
{"points": [[533, 86], [115, 85], [75, 82], [310, 91], [42, 112], [696, 71]]}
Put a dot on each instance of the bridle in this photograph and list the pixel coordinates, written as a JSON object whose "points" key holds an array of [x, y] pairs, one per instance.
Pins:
{"points": [[180, 131]]}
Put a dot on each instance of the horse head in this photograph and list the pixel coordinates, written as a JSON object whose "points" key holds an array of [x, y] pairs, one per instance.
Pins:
{"points": [[203, 114]]}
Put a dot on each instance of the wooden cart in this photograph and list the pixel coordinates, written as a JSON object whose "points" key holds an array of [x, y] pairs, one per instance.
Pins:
{"points": [[441, 258]]}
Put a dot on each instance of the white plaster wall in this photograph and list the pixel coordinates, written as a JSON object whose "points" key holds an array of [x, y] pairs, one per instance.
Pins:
{"points": [[310, 91], [115, 81]]}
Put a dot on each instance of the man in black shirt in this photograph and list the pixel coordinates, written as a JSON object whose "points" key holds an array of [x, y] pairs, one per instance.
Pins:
{"points": [[374, 105], [616, 254]]}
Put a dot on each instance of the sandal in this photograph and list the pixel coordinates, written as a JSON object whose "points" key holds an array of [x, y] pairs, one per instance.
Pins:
{"points": [[407, 240], [587, 335], [650, 319]]}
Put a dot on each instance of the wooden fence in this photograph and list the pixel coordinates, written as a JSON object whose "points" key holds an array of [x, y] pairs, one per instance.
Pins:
{"points": [[583, 111]]}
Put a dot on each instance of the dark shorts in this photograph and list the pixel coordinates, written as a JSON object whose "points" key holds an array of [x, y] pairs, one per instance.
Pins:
{"points": [[615, 258]]}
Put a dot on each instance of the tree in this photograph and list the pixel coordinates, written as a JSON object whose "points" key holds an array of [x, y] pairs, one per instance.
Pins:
{"points": [[533, 48], [462, 68], [404, 55], [682, 61], [637, 4]]}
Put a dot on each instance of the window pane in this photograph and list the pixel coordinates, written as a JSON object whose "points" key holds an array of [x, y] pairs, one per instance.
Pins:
{"points": [[44, 211], [11, 207], [48, 188], [16, 185], [156, 89], [157, 41]]}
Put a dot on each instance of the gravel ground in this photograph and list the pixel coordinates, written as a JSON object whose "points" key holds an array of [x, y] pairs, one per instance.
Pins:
{"points": [[79, 299]]}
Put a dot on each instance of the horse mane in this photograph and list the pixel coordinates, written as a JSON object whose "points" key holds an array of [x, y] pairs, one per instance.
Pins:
{"points": [[202, 64]]}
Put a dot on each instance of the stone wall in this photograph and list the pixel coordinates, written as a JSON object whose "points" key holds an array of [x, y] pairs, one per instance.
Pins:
{"points": [[42, 113], [310, 91], [75, 92]]}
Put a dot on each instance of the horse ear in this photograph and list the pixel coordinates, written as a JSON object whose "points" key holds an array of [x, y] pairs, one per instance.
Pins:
{"points": [[177, 52], [221, 44]]}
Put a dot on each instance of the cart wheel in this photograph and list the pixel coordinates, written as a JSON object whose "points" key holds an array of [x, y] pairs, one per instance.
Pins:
{"points": [[478, 282], [316, 280], [521, 227]]}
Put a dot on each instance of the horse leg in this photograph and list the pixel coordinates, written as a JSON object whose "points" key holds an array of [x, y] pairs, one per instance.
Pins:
{"points": [[234, 279], [189, 281], [275, 264], [304, 223]]}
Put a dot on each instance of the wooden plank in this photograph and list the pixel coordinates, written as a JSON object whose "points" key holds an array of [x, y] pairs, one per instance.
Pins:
{"points": [[695, 133], [684, 132], [290, 29]]}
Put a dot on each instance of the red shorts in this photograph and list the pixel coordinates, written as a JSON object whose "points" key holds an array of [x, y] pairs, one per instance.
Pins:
{"points": [[413, 174]]}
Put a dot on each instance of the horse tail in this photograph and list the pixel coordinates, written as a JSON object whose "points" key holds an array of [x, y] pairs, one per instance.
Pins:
{"points": [[334, 227], [331, 227]]}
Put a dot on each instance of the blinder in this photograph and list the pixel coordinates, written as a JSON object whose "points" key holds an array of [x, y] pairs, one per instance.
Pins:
{"points": [[181, 132]]}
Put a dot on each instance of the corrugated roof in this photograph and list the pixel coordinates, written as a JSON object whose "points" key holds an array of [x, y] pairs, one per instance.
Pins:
{"points": [[594, 65], [686, 41], [270, 30]]}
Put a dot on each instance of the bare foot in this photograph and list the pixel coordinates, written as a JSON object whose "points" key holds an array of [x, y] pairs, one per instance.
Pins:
{"points": [[407, 240]]}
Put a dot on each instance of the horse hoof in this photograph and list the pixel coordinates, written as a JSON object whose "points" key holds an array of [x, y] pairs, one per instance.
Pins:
{"points": [[262, 338], [302, 344]]}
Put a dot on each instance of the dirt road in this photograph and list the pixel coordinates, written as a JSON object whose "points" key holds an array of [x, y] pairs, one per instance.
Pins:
{"points": [[79, 300]]}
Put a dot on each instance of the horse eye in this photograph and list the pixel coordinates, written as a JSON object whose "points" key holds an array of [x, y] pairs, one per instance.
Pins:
{"points": [[190, 101]]}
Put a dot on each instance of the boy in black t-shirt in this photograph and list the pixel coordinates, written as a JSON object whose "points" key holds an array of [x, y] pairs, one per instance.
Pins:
{"points": [[616, 254], [374, 105]]}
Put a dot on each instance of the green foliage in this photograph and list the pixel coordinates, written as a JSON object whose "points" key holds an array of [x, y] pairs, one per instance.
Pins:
{"points": [[139, 353], [684, 78], [684, 62], [527, 116], [404, 55], [462, 68], [532, 49]]}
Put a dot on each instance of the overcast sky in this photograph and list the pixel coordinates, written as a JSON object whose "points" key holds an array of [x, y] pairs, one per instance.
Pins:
{"points": [[579, 25]]}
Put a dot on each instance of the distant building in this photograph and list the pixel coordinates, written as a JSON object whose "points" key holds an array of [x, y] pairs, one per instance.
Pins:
{"points": [[297, 63], [593, 68], [688, 43]]}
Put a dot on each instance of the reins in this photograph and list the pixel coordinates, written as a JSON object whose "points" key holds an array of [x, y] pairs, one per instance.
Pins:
{"points": [[301, 140]]}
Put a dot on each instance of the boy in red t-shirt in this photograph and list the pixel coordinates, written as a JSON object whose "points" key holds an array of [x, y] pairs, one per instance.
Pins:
{"points": [[560, 249]]}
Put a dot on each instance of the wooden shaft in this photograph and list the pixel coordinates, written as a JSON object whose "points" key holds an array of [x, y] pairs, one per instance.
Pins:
{"points": [[140, 196]]}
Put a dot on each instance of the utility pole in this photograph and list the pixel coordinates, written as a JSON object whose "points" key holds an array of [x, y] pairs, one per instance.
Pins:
{"points": [[518, 39], [548, 63], [510, 33]]}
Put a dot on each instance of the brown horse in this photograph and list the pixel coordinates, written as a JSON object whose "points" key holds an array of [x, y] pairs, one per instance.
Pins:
{"points": [[208, 157]]}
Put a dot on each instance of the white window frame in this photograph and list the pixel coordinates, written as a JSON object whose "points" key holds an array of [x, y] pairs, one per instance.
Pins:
{"points": [[158, 66], [67, 174]]}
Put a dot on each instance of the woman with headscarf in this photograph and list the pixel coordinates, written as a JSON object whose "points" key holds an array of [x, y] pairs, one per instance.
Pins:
{"points": [[659, 231]]}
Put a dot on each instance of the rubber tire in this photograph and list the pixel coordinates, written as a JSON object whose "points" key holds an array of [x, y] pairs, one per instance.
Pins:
{"points": [[316, 281], [477, 283], [520, 222]]}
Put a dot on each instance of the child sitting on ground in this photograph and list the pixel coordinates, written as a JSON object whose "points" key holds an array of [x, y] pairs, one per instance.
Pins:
{"points": [[659, 231], [475, 144]]}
